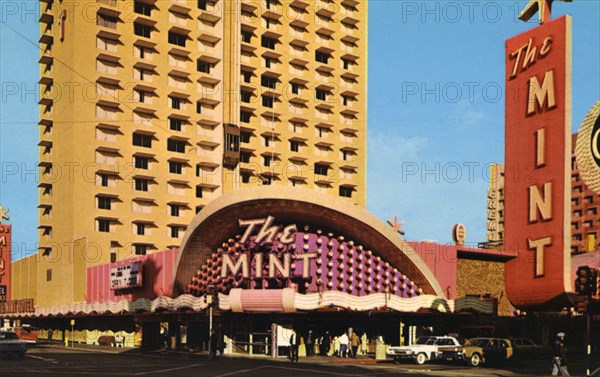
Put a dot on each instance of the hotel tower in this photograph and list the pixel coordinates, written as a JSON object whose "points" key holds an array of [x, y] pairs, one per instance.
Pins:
{"points": [[151, 109]]}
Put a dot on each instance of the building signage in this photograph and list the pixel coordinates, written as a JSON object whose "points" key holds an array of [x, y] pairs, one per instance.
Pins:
{"points": [[588, 149], [262, 257], [126, 276], [17, 306], [261, 232], [5, 233], [538, 164]]}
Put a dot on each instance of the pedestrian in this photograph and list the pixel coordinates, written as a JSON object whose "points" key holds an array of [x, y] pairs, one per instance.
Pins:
{"points": [[364, 343], [164, 337], [559, 359], [309, 343], [354, 342], [343, 344], [214, 342], [294, 347], [325, 344]]}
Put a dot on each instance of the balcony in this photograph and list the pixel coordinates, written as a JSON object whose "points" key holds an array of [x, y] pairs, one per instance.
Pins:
{"points": [[180, 6], [47, 17]]}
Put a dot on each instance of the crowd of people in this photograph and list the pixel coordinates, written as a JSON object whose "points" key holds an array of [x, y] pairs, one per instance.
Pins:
{"points": [[348, 344]]}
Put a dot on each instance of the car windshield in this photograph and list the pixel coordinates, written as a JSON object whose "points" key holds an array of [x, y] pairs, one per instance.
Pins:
{"points": [[425, 340], [8, 336], [479, 342]]}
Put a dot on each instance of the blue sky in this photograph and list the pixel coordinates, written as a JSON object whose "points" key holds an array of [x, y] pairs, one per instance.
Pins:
{"points": [[436, 108]]}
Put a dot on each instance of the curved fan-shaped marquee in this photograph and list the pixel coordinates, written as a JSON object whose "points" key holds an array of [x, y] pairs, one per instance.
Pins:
{"points": [[281, 238]]}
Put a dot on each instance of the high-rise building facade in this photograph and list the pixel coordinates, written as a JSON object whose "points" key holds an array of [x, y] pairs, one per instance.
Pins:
{"points": [[585, 204], [151, 109]]}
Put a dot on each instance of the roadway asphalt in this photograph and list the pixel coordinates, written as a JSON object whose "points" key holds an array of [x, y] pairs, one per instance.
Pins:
{"points": [[55, 360]]}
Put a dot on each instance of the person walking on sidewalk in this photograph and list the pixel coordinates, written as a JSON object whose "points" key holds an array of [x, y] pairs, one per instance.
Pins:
{"points": [[310, 343], [214, 342], [343, 344], [559, 359], [354, 342], [294, 347]]}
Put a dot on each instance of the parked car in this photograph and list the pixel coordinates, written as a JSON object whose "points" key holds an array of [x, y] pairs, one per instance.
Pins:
{"points": [[425, 348], [525, 348], [11, 345], [479, 350]]}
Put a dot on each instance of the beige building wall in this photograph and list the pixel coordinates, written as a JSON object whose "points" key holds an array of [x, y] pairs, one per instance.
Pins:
{"points": [[23, 282], [151, 109]]}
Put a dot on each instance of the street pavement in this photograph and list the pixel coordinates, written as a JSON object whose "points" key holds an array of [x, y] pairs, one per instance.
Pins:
{"points": [[56, 360]]}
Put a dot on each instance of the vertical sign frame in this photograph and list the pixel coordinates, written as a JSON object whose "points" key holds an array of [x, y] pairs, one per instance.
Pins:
{"points": [[5, 260], [538, 166]]}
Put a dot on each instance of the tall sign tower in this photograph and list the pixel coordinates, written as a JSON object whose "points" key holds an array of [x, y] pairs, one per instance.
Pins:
{"points": [[538, 161], [5, 233]]}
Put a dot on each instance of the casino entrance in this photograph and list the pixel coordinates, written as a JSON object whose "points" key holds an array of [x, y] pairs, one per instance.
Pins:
{"points": [[268, 334]]}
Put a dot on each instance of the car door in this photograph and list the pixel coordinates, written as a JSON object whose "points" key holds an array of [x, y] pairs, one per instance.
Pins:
{"points": [[493, 352]]}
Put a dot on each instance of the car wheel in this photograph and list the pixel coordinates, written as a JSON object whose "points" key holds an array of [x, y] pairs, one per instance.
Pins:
{"points": [[475, 360], [421, 359]]}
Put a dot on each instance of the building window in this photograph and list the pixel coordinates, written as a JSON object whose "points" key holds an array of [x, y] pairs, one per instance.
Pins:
{"points": [[267, 140], [49, 274], [198, 209], [246, 36], [140, 229], [295, 88], [104, 202], [322, 57], [175, 146], [245, 96], [245, 157], [267, 160], [104, 180], [175, 124], [174, 232], [346, 191], [140, 249], [198, 107], [267, 181], [295, 146], [245, 137], [106, 21], [267, 101], [175, 103], [142, 140], [267, 42], [142, 8], [245, 177], [174, 210], [346, 63], [345, 100], [175, 167], [267, 62], [177, 39], [202, 4], [141, 162], [268, 82], [245, 116], [104, 226], [141, 184], [247, 76], [321, 95], [232, 142], [203, 66], [321, 169], [142, 30], [198, 191]]}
